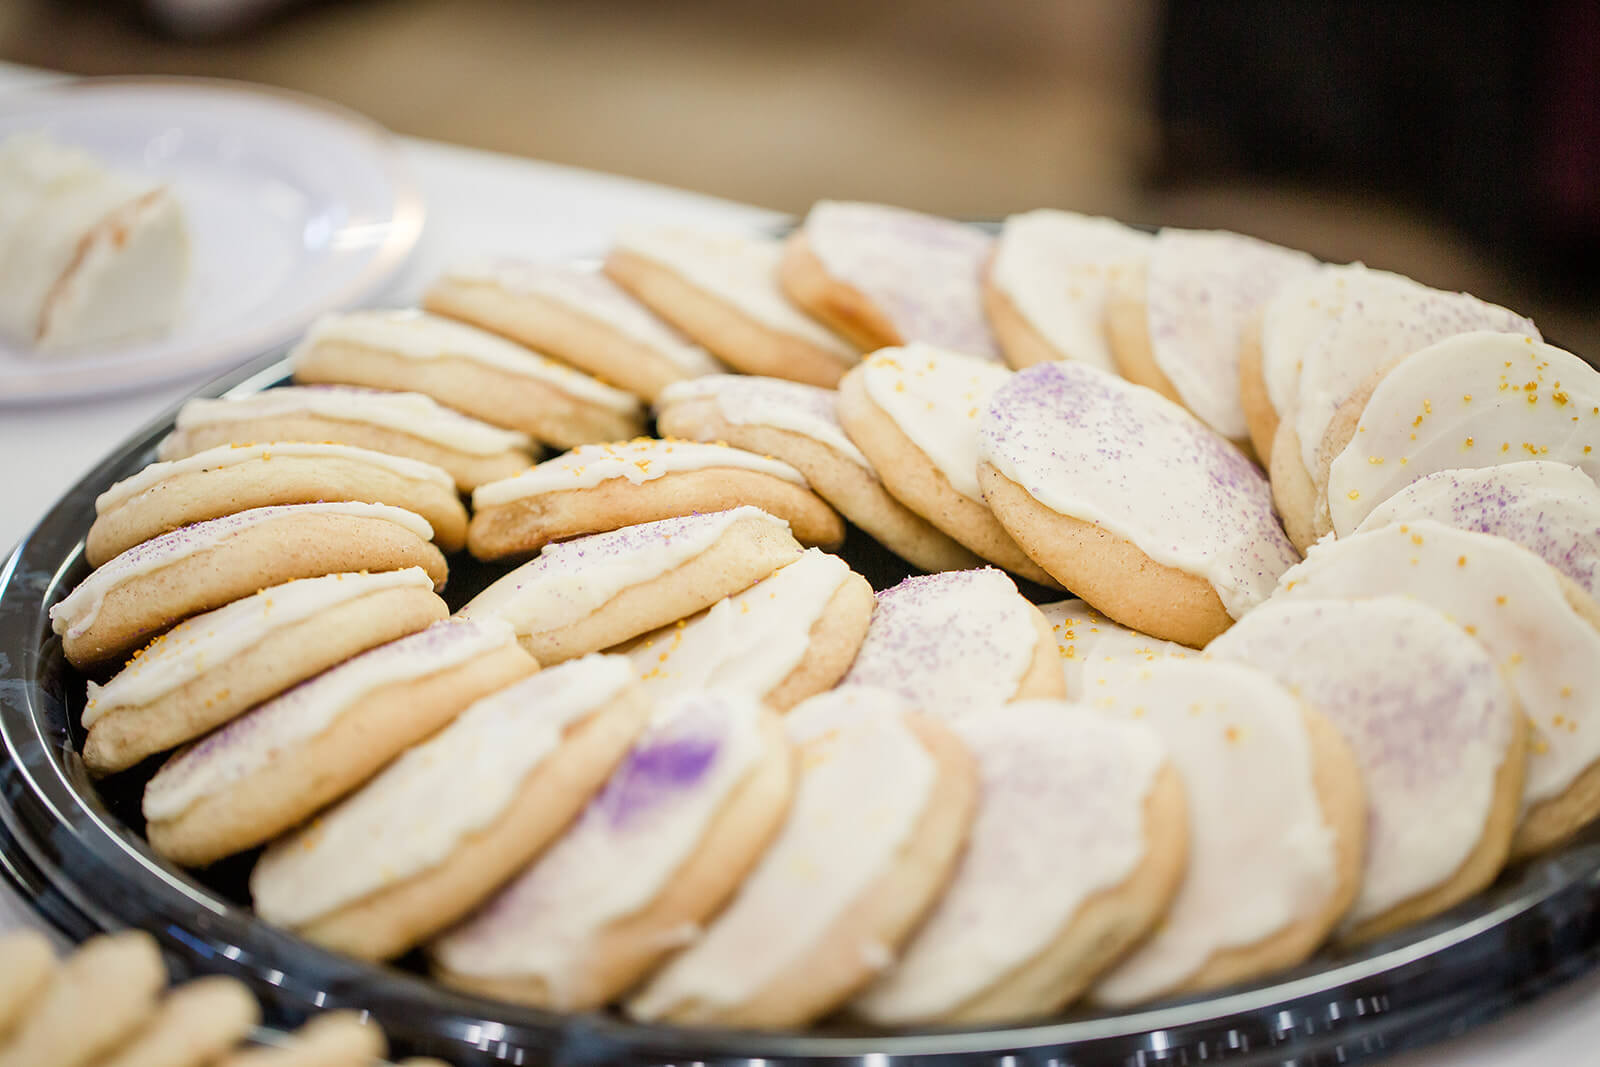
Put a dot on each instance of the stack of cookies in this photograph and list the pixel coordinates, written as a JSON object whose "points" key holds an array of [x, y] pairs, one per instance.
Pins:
{"points": [[681, 759]]}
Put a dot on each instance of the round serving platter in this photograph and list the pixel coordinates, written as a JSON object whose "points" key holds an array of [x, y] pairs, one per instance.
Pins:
{"points": [[74, 847]]}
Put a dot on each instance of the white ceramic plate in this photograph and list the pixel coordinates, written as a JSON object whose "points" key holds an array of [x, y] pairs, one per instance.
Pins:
{"points": [[295, 207]]}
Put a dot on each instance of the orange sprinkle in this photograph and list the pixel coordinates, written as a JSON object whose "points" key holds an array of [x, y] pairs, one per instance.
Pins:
{"points": [[1354, 494], [1461, 561]]}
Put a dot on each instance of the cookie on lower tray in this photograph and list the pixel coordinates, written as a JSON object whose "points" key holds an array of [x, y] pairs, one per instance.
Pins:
{"points": [[594, 592], [603, 487], [451, 820], [230, 478], [653, 856], [212, 667], [467, 369], [152, 586], [118, 977], [195, 1024], [399, 424], [278, 764], [332, 1039], [798, 424], [30, 962]]}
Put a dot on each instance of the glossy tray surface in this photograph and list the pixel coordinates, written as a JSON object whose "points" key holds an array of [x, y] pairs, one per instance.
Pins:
{"points": [[74, 847]]}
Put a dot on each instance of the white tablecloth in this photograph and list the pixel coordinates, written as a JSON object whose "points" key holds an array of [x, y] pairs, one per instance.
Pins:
{"points": [[480, 202]]}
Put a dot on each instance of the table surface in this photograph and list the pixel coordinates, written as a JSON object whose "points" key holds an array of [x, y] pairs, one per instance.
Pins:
{"points": [[482, 203]]}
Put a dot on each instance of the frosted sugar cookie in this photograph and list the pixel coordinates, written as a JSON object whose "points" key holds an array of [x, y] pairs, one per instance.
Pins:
{"points": [[1392, 318], [594, 592], [799, 425], [1436, 733], [1087, 639], [1551, 509], [401, 424], [722, 290], [451, 820], [332, 1039], [887, 276], [148, 588], [1277, 825], [279, 763], [913, 412], [1177, 326], [30, 964], [579, 316], [1474, 400], [230, 478], [470, 370], [1077, 849], [958, 642], [1046, 288], [602, 487], [880, 814], [1541, 629], [195, 1024], [784, 639], [654, 855], [212, 667], [1130, 501], [119, 976]]}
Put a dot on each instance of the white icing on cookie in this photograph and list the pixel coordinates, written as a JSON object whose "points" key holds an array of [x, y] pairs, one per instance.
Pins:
{"points": [[572, 579], [417, 811], [73, 616], [234, 455], [949, 643], [1060, 818], [1093, 447], [1506, 597], [641, 460], [841, 706], [935, 397], [1201, 289], [594, 296], [207, 642], [1260, 851], [408, 413], [1057, 268], [621, 853], [1298, 313], [740, 271], [418, 335], [1551, 509], [272, 731], [862, 791], [749, 642], [922, 272], [1422, 705], [1391, 318], [1087, 639], [750, 400], [1474, 400]]}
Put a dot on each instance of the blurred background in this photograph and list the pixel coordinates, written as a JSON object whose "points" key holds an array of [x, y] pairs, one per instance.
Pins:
{"points": [[1456, 142]]}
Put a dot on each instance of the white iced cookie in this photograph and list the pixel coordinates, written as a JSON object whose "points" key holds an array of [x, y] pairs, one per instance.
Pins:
{"points": [[1078, 847], [913, 412], [457, 816], [784, 639], [88, 255], [654, 854], [1540, 629], [594, 592], [1475, 400], [799, 424], [1436, 732], [471, 370], [1276, 825], [579, 316], [887, 276], [1130, 501], [1178, 325], [722, 290], [958, 642], [1551, 509], [1087, 639], [401, 424], [880, 813]]}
